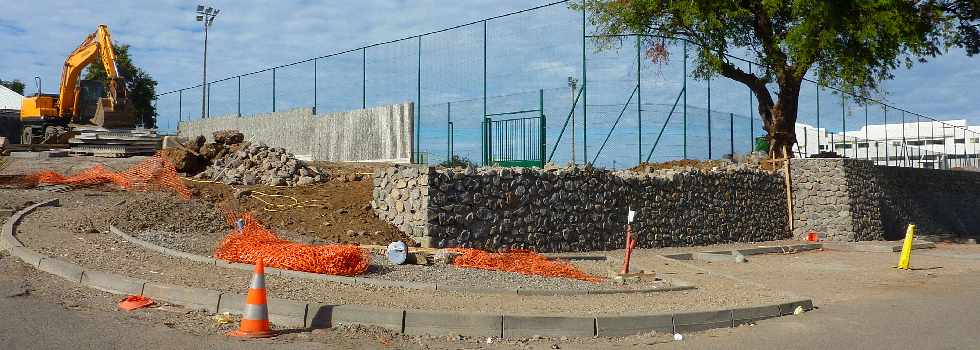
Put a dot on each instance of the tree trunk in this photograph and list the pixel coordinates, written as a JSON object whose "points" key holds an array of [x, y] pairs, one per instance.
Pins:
{"points": [[779, 117]]}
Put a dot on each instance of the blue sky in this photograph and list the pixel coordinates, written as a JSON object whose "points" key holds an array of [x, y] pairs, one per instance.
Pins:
{"points": [[525, 53]]}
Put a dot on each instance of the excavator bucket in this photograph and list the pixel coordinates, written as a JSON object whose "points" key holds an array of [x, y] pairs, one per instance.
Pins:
{"points": [[122, 116]]}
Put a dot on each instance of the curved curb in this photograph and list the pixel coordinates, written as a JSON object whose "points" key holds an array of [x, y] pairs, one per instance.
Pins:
{"points": [[386, 283], [316, 315]]}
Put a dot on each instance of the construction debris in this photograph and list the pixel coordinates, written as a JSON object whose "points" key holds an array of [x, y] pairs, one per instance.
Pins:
{"points": [[257, 163], [103, 142]]}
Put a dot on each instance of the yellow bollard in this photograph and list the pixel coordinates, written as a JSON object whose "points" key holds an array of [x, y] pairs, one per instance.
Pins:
{"points": [[903, 261]]}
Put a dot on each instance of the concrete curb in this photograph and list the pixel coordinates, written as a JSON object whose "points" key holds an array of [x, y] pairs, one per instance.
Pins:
{"points": [[315, 315], [384, 283]]}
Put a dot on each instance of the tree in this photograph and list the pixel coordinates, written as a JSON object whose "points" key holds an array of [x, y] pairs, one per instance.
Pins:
{"points": [[853, 45], [140, 86], [16, 85]]}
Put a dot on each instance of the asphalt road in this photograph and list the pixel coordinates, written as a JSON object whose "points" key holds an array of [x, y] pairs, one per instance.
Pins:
{"points": [[942, 315]]}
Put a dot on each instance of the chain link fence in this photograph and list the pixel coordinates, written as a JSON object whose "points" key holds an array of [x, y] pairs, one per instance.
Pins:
{"points": [[612, 107]]}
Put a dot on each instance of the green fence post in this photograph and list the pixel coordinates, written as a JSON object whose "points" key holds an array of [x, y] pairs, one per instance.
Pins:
{"points": [[486, 160], [639, 106], [449, 130], [585, 95], [685, 99], [273, 90], [364, 77], [709, 118], [418, 107], [543, 136], [314, 89]]}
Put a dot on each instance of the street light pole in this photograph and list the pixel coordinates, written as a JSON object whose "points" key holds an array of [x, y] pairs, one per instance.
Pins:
{"points": [[206, 17]]}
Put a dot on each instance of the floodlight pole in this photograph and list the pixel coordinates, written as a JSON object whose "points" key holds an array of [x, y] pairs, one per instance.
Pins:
{"points": [[206, 17]]}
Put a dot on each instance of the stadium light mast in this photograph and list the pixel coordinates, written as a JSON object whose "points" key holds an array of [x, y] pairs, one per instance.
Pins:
{"points": [[206, 16]]}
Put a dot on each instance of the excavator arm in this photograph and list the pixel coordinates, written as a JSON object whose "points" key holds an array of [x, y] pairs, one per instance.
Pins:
{"points": [[97, 45]]}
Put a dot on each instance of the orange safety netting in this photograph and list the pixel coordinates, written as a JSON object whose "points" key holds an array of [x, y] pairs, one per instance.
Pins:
{"points": [[519, 261], [153, 174], [255, 241]]}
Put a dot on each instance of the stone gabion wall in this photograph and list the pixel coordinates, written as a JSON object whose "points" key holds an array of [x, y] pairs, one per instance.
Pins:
{"points": [[575, 209], [401, 197], [936, 201], [836, 198], [855, 200]]}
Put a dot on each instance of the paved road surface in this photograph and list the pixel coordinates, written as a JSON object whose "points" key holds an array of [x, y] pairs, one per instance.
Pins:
{"points": [[943, 315]]}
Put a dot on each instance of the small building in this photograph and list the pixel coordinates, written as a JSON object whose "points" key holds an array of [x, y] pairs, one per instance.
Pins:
{"points": [[9, 99]]}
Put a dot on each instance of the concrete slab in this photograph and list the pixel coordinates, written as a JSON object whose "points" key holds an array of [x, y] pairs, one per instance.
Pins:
{"points": [[112, 283], [699, 321], [752, 314], [623, 326], [788, 308], [61, 268], [877, 247], [325, 316], [714, 257], [549, 326], [26, 255], [445, 323], [476, 290], [281, 311], [187, 296]]}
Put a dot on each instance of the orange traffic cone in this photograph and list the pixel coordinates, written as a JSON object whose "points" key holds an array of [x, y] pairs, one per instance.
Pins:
{"points": [[255, 319]]}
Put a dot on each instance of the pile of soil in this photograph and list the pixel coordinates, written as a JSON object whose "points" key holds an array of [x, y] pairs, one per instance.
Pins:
{"points": [[337, 211]]}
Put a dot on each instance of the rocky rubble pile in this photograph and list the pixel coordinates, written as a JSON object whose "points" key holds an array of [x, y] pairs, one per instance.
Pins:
{"points": [[257, 163], [231, 160]]}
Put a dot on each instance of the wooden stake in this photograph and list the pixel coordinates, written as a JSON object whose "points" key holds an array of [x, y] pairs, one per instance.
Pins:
{"points": [[789, 190]]}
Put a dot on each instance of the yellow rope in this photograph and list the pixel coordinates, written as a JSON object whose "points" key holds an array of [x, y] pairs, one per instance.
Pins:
{"points": [[271, 207]]}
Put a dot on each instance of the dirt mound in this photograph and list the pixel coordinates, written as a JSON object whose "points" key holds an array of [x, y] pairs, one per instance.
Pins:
{"points": [[196, 222], [337, 211]]}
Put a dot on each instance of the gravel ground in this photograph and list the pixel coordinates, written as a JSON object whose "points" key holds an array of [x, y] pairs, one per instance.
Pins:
{"points": [[44, 231]]}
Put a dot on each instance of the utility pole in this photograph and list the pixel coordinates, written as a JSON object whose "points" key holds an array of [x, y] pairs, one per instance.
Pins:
{"points": [[573, 83], [206, 17]]}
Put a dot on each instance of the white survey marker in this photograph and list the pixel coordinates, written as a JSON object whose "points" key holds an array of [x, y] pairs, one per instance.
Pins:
{"points": [[630, 215]]}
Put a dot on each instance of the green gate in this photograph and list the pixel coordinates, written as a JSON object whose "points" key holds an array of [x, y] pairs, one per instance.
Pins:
{"points": [[516, 141]]}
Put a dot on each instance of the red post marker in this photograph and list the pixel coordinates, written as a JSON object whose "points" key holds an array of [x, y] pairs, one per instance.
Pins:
{"points": [[630, 242]]}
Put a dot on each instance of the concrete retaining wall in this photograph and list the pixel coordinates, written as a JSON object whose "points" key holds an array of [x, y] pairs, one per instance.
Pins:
{"points": [[374, 134], [854, 200], [579, 210]]}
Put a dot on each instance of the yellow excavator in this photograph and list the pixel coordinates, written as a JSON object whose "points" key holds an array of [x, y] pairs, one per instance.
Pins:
{"points": [[50, 118]]}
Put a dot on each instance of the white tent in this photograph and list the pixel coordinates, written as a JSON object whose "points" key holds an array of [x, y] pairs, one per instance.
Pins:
{"points": [[9, 99]]}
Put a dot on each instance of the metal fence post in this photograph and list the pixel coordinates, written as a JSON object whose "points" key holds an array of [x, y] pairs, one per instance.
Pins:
{"points": [[709, 118], [585, 94], [364, 77], [180, 105], [685, 99], [905, 145], [208, 104], [238, 103], [639, 106], [884, 113], [418, 107], [314, 86], [751, 120], [818, 118], [543, 126], [273, 90], [449, 129], [867, 137], [731, 133], [843, 125], [483, 131]]}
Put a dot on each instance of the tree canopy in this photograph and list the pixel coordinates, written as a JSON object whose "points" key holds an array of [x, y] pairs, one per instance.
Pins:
{"points": [[852, 45], [16, 85], [140, 86]]}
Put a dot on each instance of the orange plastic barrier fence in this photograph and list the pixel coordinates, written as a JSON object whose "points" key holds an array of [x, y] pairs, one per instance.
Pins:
{"points": [[520, 261], [153, 174], [255, 241]]}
